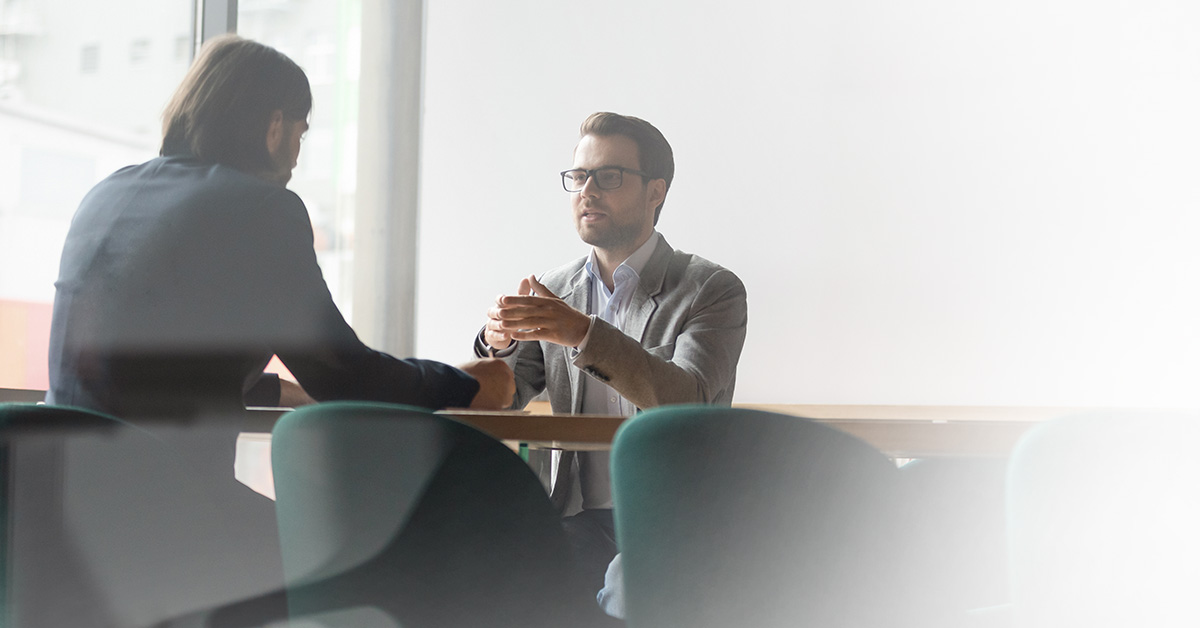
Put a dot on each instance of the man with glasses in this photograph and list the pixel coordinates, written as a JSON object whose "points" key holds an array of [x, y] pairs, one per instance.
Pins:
{"points": [[633, 325]]}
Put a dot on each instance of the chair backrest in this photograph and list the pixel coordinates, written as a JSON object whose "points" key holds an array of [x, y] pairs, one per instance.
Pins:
{"points": [[736, 517], [1103, 514], [111, 524], [955, 535], [390, 515]]}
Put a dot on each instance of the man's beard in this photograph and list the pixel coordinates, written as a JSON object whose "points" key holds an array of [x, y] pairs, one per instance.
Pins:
{"points": [[613, 237], [281, 162], [283, 169]]}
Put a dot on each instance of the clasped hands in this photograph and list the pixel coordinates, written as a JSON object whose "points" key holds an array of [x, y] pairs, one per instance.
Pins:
{"points": [[534, 313]]}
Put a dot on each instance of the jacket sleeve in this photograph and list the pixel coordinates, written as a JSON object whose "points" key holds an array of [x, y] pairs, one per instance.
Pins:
{"points": [[526, 361], [698, 367], [317, 345]]}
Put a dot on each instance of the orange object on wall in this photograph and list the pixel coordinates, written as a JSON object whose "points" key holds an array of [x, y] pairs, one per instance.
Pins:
{"points": [[24, 344]]}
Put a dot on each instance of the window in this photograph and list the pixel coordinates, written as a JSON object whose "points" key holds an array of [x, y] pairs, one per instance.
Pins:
{"points": [[62, 133], [322, 37], [89, 59], [139, 50], [183, 48]]}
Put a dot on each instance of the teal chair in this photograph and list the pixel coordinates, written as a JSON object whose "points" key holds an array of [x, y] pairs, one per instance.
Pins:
{"points": [[1103, 520], [395, 516], [955, 537], [735, 517], [113, 524]]}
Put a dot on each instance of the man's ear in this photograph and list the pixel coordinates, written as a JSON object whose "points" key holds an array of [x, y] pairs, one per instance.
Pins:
{"points": [[658, 192], [275, 132]]}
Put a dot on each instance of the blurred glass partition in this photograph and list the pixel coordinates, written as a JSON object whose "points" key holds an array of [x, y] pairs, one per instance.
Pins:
{"points": [[107, 523]]}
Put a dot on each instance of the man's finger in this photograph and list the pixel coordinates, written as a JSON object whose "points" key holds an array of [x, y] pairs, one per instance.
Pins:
{"points": [[513, 302], [494, 338], [539, 289], [517, 311], [528, 334]]}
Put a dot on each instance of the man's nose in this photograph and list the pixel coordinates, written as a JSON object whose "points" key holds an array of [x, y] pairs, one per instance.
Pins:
{"points": [[590, 187]]}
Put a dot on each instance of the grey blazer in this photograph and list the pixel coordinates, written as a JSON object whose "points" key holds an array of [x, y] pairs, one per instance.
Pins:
{"points": [[686, 325]]}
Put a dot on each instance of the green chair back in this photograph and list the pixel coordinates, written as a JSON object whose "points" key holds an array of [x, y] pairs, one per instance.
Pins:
{"points": [[1103, 513], [736, 517], [395, 516]]}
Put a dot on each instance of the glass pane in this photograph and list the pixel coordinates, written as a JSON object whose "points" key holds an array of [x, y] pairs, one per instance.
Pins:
{"points": [[82, 87], [323, 38]]}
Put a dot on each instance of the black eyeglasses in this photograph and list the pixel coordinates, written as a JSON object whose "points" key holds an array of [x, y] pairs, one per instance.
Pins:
{"points": [[607, 178]]}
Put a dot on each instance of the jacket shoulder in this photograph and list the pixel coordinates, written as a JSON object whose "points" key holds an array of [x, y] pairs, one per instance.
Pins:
{"points": [[697, 269]]}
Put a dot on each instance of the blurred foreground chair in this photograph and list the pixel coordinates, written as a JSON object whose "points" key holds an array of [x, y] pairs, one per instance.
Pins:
{"points": [[1104, 522], [954, 513], [108, 524], [394, 516], [736, 517]]}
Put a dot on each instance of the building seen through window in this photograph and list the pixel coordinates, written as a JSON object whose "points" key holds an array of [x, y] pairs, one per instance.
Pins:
{"points": [[82, 88], [323, 38]]}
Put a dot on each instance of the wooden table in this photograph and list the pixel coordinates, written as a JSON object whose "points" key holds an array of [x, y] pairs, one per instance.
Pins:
{"points": [[21, 395], [897, 431], [544, 431], [929, 431]]}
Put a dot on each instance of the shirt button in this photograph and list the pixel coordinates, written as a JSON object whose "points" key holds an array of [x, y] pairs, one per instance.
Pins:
{"points": [[613, 400]]}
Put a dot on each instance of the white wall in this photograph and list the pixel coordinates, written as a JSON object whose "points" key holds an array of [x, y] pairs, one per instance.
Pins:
{"points": [[930, 202]]}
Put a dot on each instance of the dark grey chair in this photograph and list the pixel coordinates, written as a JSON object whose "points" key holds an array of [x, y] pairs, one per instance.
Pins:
{"points": [[111, 524]]}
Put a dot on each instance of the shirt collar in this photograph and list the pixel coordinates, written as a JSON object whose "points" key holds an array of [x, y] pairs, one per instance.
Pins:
{"points": [[632, 266]]}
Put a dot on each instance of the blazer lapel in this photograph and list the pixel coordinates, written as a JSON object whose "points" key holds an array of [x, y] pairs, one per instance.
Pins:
{"points": [[578, 296], [563, 470], [643, 302]]}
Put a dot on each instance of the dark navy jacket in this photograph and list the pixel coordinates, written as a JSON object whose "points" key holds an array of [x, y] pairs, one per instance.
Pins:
{"points": [[180, 279]]}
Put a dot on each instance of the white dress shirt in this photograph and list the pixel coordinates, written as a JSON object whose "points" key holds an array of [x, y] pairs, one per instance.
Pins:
{"points": [[598, 397]]}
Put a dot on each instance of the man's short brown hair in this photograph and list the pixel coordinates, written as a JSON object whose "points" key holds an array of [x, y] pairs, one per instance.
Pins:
{"points": [[654, 153], [221, 111]]}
